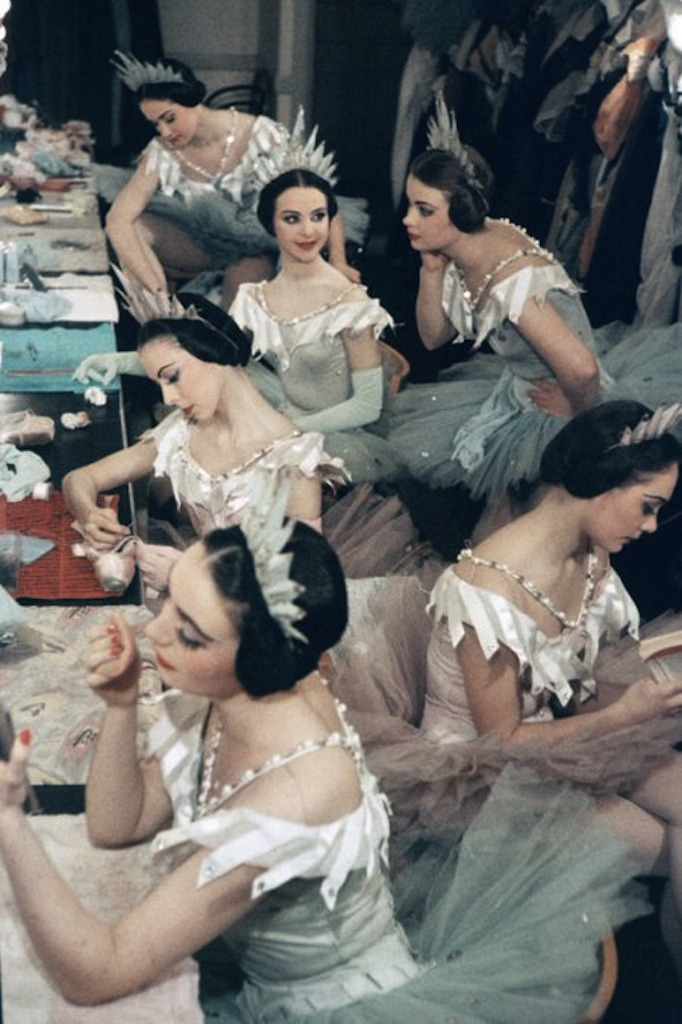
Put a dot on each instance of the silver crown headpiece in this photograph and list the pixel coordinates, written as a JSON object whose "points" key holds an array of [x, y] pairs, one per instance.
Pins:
{"points": [[267, 531], [297, 152], [135, 73], [651, 426], [442, 133], [144, 304]]}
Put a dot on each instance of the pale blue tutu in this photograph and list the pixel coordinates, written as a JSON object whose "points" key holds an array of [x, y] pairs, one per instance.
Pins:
{"points": [[508, 919], [475, 430], [224, 229]]}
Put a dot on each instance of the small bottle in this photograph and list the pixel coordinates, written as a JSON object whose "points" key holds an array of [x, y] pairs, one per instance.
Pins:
{"points": [[11, 263]]}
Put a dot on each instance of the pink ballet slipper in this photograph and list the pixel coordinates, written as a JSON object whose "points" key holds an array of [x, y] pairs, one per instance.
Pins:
{"points": [[115, 569], [26, 428]]}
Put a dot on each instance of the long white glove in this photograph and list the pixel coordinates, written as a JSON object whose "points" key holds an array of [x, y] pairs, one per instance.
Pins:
{"points": [[104, 366], [364, 405]]}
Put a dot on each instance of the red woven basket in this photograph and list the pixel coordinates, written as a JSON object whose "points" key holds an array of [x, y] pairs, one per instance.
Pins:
{"points": [[58, 575]]}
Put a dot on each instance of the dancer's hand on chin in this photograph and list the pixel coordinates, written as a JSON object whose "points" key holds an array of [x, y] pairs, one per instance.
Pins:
{"points": [[434, 261]]}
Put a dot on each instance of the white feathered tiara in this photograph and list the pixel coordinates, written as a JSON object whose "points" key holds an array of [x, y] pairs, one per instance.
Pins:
{"points": [[297, 152], [442, 133], [144, 304], [651, 426], [266, 533], [135, 73]]}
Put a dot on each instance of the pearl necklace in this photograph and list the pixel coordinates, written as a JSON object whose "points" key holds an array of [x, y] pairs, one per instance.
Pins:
{"points": [[535, 249], [536, 593], [206, 803], [246, 463], [292, 321], [227, 149]]}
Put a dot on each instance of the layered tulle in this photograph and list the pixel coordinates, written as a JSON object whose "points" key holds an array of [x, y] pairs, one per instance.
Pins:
{"points": [[480, 428], [508, 919], [380, 671]]}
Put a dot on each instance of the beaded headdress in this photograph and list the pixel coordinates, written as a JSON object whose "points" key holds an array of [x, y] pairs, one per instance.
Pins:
{"points": [[651, 426], [442, 133], [135, 73], [297, 152], [267, 531], [144, 304]]}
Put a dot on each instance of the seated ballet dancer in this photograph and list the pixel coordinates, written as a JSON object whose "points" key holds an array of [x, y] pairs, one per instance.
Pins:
{"points": [[214, 448], [189, 205], [518, 623], [485, 280], [255, 794], [318, 333]]}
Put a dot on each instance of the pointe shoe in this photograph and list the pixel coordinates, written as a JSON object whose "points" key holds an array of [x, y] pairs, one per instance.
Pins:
{"points": [[25, 428], [115, 569]]}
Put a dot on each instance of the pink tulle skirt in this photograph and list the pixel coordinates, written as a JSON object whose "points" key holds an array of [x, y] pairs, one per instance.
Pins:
{"points": [[379, 672]]}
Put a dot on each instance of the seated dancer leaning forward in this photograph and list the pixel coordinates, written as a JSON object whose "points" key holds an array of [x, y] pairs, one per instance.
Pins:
{"points": [[256, 796], [217, 444], [189, 205], [518, 623], [485, 425]]}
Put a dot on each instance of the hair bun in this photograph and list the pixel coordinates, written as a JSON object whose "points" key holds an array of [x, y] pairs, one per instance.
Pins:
{"points": [[221, 322]]}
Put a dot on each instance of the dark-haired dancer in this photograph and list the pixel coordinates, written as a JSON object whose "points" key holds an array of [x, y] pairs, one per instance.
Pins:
{"points": [[189, 206], [257, 798], [483, 279], [518, 624], [319, 332], [214, 448]]}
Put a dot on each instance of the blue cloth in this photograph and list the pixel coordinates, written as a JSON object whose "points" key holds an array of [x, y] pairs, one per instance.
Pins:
{"points": [[44, 358]]}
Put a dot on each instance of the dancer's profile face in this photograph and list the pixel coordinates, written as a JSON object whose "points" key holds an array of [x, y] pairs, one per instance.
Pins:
{"points": [[624, 513], [196, 635], [428, 217], [187, 383]]}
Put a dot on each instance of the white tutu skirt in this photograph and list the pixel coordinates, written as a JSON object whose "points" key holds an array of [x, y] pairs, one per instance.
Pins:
{"points": [[508, 919], [226, 231], [374, 536]]}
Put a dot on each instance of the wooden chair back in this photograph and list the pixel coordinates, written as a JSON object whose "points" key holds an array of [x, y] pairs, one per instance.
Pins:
{"points": [[607, 983]]}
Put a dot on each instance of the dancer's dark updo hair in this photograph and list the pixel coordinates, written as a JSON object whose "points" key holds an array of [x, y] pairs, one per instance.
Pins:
{"points": [[298, 177], [267, 659], [469, 203], [586, 458], [214, 338], [190, 92]]}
